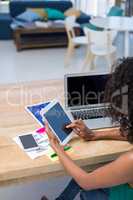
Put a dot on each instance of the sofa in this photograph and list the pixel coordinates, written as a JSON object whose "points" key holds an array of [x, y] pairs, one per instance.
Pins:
{"points": [[17, 7], [5, 30]]}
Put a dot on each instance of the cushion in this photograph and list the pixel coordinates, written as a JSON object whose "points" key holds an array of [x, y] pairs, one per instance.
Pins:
{"points": [[41, 12], [84, 18], [72, 11], [28, 16], [17, 23], [91, 26], [115, 11], [54, 14]]}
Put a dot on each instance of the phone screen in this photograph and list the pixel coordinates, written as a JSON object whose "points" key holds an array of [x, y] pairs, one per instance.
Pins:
{"points": [[58, 120], [28, 141]]}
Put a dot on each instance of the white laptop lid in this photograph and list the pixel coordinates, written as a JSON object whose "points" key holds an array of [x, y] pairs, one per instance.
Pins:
{"points": [[84, 90]]}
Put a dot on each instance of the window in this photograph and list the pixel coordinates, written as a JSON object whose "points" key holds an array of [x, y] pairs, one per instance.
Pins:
{"points": [[95, 7]]}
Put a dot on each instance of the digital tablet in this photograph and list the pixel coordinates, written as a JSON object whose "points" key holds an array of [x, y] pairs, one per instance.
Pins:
{"points": [[58, 119]]}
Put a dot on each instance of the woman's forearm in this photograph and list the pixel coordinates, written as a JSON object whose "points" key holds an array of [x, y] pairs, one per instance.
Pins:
{"points": [[76, 172], [110, 135], [101, 177]]}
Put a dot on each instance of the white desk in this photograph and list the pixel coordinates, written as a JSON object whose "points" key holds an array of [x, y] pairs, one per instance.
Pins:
{"points": [[124, 24]]}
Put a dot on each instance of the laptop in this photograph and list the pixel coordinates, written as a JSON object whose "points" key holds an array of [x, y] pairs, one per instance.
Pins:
{"points": [[84, 96]]}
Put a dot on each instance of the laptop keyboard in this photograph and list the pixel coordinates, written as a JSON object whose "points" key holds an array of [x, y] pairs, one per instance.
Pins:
{"points": [[89, 114]]}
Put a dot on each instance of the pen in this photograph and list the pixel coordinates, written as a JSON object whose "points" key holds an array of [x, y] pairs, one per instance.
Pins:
{"points": [[65, 149]]}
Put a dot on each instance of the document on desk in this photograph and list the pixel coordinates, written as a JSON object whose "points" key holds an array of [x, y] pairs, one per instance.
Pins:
{"points": [[42, 141], [35, 111]]}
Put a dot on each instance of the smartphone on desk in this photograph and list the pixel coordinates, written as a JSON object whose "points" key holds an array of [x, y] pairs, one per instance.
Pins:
{"points": [[28, 142]]}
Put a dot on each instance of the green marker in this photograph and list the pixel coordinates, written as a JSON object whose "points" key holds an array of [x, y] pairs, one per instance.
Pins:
{"points": [[65, 149]]}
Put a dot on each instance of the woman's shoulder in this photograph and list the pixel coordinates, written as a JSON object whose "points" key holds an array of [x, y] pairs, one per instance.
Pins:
{"points": [[127, 160], [128, 156]]}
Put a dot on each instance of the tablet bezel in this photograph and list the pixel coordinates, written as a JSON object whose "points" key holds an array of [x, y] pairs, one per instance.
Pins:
{"points": [[46, 109]]}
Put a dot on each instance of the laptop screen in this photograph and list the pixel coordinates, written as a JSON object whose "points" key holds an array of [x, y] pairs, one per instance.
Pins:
{"points": [[85, 90]]}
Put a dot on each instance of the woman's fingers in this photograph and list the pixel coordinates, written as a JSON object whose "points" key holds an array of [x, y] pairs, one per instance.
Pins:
{"points": [[75, 124], [72, 125], [49, 132], [76, 131]]}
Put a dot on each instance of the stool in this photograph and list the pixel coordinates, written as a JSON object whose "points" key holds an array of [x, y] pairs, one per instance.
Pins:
{"points": [[5, 30]]}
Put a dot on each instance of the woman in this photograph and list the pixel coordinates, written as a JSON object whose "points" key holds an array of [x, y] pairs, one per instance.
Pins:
{"points": [[113, 181]]}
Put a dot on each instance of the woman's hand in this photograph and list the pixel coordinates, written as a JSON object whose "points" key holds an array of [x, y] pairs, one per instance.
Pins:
{"points": [[82, 130], [53, 140]]}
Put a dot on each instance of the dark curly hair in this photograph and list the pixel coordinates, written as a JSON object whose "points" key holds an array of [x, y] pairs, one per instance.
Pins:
{"points": [[119, 92]]}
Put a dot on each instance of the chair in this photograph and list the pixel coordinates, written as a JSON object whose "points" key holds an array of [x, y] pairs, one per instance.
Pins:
{"points": [[100, 44], [114, 11], [73, 40]]}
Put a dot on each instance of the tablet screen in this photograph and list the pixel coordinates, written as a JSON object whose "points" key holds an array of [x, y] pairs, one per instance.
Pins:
{"points": [[58, 120]]}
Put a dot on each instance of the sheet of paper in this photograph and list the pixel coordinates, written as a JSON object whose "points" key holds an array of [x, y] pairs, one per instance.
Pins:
{"points": [[42, 141], [35, 111]]}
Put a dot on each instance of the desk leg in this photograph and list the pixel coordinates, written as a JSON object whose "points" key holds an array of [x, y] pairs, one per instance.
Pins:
{"points": [[126, 54], [17, 37]]}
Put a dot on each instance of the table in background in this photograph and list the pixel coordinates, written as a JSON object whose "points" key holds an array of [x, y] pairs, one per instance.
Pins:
{"points": [[38, 37], [15, 165], [124, 24]]}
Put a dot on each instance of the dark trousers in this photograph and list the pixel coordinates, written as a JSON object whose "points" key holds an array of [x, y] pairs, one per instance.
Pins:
{"points": [[73, 189]]}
